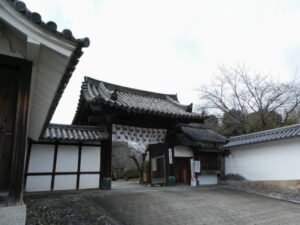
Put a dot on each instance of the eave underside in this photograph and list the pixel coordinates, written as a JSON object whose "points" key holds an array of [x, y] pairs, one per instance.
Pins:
{"points": [[99, 114]]}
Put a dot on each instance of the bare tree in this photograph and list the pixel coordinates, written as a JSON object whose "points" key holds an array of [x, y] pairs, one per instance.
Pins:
{"points": [[138, 155], [237, 89]]}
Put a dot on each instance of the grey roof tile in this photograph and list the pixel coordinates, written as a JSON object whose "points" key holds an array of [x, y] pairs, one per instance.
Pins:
{"points": [[51, 26], [199, 133], [74, 133], [265, 136], [133, 100], [194, 134]]}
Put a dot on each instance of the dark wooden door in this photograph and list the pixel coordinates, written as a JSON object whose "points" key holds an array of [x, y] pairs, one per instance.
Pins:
{"points": [[15, 75], [8, 104], [182, 170]]}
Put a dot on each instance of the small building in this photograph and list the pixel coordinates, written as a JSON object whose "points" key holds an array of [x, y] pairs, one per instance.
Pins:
{"points": [[193, 153], [271, 156]]}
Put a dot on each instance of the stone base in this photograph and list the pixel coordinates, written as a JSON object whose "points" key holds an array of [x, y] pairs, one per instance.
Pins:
{"points": [[171, 181], [14, 215], [105, 183], [274, 186]]}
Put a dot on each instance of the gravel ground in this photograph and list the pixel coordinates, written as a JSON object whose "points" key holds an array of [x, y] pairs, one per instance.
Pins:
{"points": [[185, 205], [133, 204], [65, 208]]}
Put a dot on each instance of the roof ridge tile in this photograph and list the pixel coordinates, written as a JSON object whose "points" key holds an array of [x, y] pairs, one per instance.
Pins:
{"points": [[279, 133]]}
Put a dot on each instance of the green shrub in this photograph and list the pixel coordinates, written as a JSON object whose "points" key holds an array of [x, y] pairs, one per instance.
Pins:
{"points": [[131, 173], [118, 174]]}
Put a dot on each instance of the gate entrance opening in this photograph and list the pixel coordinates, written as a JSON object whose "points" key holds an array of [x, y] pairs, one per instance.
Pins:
{"points": [[182, 170]]}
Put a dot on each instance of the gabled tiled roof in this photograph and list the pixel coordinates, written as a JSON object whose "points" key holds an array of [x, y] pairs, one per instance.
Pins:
{"points": [[265, 136], [71, 133], [195, 134], [135, 101]]}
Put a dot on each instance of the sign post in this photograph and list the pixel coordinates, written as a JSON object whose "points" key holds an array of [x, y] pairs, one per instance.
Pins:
{"points": [[193, 178]]}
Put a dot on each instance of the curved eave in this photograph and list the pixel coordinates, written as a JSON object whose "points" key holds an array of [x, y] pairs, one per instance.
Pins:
{"points": [[54, 56], [86, 99], [63, 83], [89, 80], [92, 97], [34, 23], [142, 111]]}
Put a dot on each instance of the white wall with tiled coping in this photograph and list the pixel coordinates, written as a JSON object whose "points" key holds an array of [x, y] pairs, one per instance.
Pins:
{"points": [[41, 161], [277, 160]]}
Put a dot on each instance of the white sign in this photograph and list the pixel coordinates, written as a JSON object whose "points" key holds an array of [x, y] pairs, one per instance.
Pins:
{"points": [[192, 168], [193, 182], [153, 162], [170, 156], [197, 166]]}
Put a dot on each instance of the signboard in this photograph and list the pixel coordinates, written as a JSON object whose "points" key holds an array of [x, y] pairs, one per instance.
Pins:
{"points": [[170, 156], [193, 177], [197, 166], [153, 164], [192, 168], [193, 182]]}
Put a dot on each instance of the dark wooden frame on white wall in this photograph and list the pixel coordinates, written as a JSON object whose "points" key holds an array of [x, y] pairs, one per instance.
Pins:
{"points": [[54, 173]]}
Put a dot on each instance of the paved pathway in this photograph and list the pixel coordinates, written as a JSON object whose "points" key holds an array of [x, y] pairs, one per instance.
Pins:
{"points": [[183, 205]]}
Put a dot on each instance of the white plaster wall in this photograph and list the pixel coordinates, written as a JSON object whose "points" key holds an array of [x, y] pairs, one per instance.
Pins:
{"points": [[90, 158], [278, 160], [65, 182], [67, 158], [89, 181], [38, 183], [183, 151], [4, 45], [207, 179], [41, 158]]}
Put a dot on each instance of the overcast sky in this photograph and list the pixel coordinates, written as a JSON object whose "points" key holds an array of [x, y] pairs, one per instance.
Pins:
{"points": [[174, 46]]}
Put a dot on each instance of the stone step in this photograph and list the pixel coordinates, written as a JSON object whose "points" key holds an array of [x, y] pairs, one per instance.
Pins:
{"points": [[3, 198]]}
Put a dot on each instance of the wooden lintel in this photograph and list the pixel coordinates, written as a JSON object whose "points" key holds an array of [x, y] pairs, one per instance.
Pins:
{"points": [[98, 119], [33, 50]]}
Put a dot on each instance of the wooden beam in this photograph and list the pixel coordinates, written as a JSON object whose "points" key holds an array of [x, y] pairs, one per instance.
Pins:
{"points": [[61, 173], [78, 166], [27, 162], [54, 166]]}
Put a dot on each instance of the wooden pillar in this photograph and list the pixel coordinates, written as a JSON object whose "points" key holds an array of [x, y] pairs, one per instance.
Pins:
{"points": [[170, 178], [27, 162], [54, 166], [19, 140], [78, 165], [167, 170], [150, 165], [106, 160], [222, 162]]}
